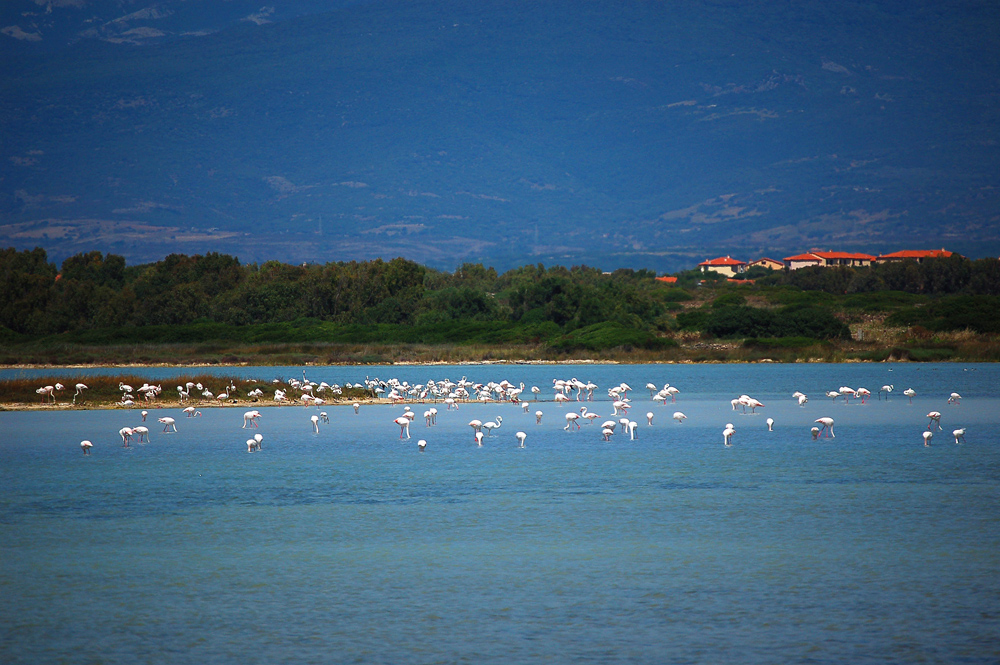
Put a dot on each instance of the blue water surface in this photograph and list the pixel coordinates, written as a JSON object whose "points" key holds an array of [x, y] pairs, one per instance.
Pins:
{"points": [[349, 545]]}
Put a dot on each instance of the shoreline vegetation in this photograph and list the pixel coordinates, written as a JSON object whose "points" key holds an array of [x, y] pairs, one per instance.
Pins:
{"points": [[190, 311]]}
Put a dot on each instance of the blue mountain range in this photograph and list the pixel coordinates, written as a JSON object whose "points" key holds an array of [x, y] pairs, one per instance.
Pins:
{"points": [[643, 134]]}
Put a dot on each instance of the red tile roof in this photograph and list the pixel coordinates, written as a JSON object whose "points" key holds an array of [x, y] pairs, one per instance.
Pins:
{"points": [[844, 255], [803, 257], [667, 279], [723, 261], [918, 254]]}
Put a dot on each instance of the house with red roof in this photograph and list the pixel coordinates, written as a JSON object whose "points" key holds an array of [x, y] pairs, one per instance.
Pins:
{"points": [[828, 260], [802, 261], [918, 255], [724, 265]]}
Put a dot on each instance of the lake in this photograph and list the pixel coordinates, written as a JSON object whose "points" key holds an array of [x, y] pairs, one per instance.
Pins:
{"points": [[349, 545]]}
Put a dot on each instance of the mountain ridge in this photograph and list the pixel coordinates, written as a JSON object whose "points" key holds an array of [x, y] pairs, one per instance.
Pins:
{"points": [[613, 134]]}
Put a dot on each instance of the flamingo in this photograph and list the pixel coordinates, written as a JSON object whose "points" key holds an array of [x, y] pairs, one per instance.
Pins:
{"points": [[142, 433], [250, 418], [652, 389], [168, 422], [607, 432], [86, 445], [959, 434], [846, 392], [770, 424], [815, 433], [927, 438], [80, 387], [315, 424], [935, 417], [251, 445], [863, 393], [827, 424], [357, 406], [404, 426], [534, 391], [753, 404], [735, 403], [479, 439], [802, 399], [632, 425], [491, 425], [326, 419], [144, 414], [126, 435], [191, 412], [727, 434], [910, 392], [571, 419], [833, 394], [649, 418], [520, 436], [885, 389], [679, 417], [672, 391], [258, 438], [955, 398], [421, 445], [476, 425], [538, 417]]}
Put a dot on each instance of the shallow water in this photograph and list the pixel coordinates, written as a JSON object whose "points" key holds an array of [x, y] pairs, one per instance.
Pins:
{"points": [[349, 545]]}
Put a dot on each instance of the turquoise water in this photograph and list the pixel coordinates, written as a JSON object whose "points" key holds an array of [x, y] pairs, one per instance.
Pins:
{"points": [[350, 546]]}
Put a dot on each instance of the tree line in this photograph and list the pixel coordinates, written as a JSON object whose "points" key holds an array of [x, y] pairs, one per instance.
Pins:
{"points": [[578, 305]]}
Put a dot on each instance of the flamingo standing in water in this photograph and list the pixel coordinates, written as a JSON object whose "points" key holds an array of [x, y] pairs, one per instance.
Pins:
{"points": [[927, 438], [142, 433], [421, 445], [571, 419], [479, 439], [955, 398], [126, 435], [258, 438], [538, 417], [827, 424], [884, 389], [679, 417], [959, 434], [770, 424], [250, 418], [727, 434], [491, 425], [85, 446], [477, 426], [168, 422], [191, 412], [607, 432], [520, 436], [863, 393], [315, 424], [910, 392], [404, 426], [935, 417], [649, 418]]}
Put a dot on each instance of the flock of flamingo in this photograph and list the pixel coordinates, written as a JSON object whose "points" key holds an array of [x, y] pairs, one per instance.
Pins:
{"points": [[452, 394]]}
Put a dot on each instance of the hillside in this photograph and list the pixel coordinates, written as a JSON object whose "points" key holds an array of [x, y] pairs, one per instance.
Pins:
{"points": [[609, 133]]}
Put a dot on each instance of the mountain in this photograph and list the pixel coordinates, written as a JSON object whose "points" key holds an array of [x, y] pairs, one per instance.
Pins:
{"points": [[619, 134]]}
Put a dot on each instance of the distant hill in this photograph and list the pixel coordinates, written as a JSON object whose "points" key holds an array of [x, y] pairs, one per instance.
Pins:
{"points": [[617, 134]]}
